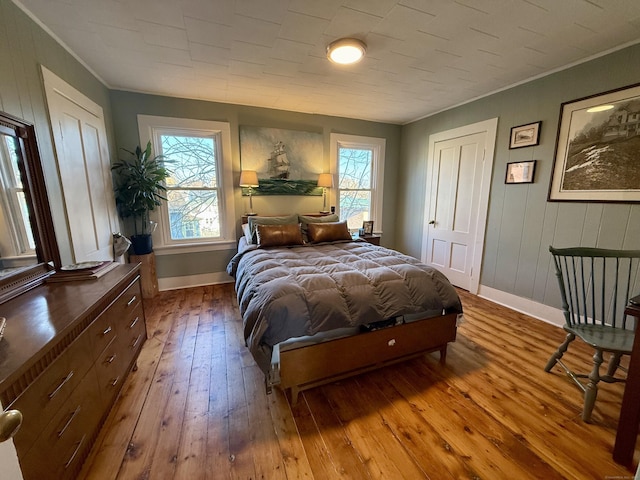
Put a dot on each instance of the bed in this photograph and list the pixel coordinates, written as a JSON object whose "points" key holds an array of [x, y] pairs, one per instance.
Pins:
{"points": [[318, 306]]}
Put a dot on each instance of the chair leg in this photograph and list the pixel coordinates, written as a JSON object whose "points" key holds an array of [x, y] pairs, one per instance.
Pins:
{"points": [[614, 363], [558, 353], [591, 391]]}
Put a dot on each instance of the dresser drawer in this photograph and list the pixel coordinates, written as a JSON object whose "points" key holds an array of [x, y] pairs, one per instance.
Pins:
{"points": [[46, 395], [126, 303], [132, 334], [62, 445], [134, 325], [111, 368], [102, 332]]}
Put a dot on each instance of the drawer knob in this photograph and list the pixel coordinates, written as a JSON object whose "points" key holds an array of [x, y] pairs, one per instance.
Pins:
{"points": [[133, 299], [135, 343], [10, 422], [110, 359], [107, 330], [66, 425], [75, 452], [133, 324], [62, 384]]}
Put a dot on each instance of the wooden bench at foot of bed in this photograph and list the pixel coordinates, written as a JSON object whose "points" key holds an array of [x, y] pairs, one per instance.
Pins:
{"points": [[309, 366]]}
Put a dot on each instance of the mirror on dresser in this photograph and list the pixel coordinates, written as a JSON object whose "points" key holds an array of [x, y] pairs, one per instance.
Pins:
{"points": [[28, 248]]}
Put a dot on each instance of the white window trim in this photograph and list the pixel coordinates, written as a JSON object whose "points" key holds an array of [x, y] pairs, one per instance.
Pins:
{"points": [[14, 245], [337, 140], [162, 244]]}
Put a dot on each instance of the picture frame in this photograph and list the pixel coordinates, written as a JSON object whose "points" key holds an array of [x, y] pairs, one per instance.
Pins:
{"points": [[367, 227], [596, 148], [520, 172], [525, 135], [285, 160]]}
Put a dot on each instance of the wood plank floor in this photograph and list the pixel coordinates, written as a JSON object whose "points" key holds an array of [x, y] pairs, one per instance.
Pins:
{"points": [[196, 407]]}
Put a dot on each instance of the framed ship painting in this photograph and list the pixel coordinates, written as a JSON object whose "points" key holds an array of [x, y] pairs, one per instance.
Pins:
{"points": [[288, 162]]}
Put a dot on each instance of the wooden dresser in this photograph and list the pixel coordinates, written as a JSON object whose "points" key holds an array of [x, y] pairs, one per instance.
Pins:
{"points": [[66, 352]]}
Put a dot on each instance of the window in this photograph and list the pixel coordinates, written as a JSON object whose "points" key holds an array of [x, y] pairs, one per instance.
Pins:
{"points": [[359, 165], [14, 214], [199, 208]]}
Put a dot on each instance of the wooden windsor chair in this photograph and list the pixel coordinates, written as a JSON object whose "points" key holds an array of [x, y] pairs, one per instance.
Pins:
{"points": [[595, 286]]}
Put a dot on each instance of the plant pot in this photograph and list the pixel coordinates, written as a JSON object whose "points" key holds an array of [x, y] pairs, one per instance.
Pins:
{"points": [[141, 244]]}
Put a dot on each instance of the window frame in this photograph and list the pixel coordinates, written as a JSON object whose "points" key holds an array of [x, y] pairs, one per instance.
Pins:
{"points": [[377, 146], [150, 128], [13, 214]]}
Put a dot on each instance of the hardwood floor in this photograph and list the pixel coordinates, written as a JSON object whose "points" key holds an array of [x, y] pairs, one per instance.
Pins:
{"points": [[196, 407]]}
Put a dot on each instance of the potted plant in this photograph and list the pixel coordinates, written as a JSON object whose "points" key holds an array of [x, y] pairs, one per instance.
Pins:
{"points": [[139, 189]]}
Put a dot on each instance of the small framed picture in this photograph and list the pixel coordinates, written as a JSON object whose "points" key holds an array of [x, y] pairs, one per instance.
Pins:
{"points": [[525, 135], [367, 227], [520, 172]]}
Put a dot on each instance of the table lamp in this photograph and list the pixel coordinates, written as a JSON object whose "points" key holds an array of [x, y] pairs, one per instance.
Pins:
{"points": [[325, 180], [249, 179]]}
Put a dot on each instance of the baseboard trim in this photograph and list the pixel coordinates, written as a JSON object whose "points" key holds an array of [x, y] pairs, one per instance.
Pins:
{"points": [[186, 281], [547, 314]]}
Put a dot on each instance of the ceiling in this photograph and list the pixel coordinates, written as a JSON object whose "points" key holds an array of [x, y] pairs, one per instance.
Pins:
{"points": [[423, 56]]}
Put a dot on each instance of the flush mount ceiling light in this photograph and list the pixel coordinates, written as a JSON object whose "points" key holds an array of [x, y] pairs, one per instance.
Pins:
{"points": [[346, 51]]}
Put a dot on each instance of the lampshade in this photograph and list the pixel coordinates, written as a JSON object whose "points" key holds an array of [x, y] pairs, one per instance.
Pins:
{"points": [[325, 180], [249, 178], [346, 51]]}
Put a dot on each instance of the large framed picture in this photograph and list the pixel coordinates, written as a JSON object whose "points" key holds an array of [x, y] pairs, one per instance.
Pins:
{"points": [[596, 156], [286, 161], [520, 172], [525, 135]]}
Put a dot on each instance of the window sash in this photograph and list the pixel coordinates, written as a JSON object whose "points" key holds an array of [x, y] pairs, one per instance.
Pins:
{"points": [[202, 225], [167, 210], [16, 214], [152, 128], [377, 148]]}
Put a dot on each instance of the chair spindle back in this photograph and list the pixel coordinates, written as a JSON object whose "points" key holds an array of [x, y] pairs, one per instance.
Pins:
{"points": [[595, 284]]}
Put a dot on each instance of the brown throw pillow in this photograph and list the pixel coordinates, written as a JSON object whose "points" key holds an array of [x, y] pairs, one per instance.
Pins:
{"points": [[328, 232], [279, 235], [305, 220], [281, 220]]}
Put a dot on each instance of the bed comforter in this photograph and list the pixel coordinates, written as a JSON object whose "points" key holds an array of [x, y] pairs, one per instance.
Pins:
{"points": [[287, 292]]}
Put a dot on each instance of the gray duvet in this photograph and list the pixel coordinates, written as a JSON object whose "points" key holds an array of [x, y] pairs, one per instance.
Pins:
{"points": [[287, 292]]}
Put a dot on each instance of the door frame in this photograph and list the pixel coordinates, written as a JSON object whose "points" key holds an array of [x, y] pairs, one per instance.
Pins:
{"points": [[490, 127]]}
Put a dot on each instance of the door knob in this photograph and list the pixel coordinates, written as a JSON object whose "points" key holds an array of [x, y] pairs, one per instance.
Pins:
{"points": [[432, 222], [10, 422]]}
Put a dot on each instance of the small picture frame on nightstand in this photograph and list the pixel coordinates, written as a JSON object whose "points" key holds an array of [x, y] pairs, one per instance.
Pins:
{"points": [[367, 227]]}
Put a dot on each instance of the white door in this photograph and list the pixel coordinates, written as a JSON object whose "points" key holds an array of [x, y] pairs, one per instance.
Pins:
{"points": [[83, 162], [461, 161], [9, 466]]}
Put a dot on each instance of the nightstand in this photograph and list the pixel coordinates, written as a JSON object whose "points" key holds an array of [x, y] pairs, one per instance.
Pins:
{"points": [[373, 239]]}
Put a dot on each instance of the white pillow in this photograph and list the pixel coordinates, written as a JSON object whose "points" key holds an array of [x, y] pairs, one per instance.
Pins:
{"points": [[246, 230]]}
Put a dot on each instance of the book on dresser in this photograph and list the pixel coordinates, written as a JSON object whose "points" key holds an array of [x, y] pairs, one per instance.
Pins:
{"points": [[83, 271]]}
